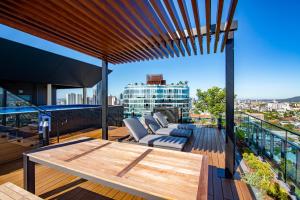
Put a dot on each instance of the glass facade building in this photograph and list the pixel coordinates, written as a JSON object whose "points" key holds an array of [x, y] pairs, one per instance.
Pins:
{"points": [[141, 99]]}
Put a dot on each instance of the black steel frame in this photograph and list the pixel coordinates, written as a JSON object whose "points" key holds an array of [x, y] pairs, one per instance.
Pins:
{"points": [[230, 135], [104, 96]]}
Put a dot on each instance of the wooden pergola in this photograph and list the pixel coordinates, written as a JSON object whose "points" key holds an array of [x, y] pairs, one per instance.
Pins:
{"points": [[124, 31]]}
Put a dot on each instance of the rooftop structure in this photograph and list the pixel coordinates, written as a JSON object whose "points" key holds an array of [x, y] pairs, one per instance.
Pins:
{"points": [[35, 74], [155, 79]]}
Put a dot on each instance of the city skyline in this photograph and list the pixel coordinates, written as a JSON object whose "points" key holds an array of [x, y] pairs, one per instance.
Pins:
{"points": [[269, 70]]}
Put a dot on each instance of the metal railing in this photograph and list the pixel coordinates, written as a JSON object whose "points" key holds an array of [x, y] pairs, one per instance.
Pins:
{"points": [[280, 146]]}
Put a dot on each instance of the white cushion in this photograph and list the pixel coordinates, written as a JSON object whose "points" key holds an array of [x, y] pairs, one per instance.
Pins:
{"points": [[164, 141], [174, 132], [182, 126]]}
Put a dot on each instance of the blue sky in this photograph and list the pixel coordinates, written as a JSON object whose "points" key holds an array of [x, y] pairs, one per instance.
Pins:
{"points": [[267, 55]]}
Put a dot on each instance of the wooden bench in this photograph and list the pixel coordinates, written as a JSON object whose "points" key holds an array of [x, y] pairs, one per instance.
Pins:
{"points": [[9, 191]]}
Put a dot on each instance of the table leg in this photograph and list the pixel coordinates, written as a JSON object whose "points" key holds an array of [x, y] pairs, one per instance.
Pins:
{"points": [[29, 174]]}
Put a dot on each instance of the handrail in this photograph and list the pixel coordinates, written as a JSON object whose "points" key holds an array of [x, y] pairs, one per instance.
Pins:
{"points": [[278, 136], [39, 110], [280, 127]]}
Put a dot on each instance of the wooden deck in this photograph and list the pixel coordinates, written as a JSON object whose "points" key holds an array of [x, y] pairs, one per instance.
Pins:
{"points": [[52, 184]]}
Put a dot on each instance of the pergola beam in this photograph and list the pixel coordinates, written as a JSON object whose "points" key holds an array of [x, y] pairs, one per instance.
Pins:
{"points": [[175, 18], [218, 24], [48, 35], [159, 9], [186, 19], [234, 26], [141, 48], [232, 8], [198, 24], [208, 15]]}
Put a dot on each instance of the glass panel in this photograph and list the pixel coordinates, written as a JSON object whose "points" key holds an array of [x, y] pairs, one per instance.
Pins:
{"points": [[291, 161], [18, 127], [280, 146]]}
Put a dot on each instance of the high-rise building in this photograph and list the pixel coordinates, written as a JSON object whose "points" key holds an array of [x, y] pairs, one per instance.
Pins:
{"points": [[143, 98], [70, 98], [98, 93], [94, 98], [112, 100], [79, 99], [121, 99]]}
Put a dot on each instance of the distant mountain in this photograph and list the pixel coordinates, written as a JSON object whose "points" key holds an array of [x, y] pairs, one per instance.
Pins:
{"points": [[293, 99]]}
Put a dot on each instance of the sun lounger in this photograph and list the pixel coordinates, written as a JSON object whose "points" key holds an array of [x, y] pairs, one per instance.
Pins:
{"points": [[165, 124], [140, 134], [155, 128]]}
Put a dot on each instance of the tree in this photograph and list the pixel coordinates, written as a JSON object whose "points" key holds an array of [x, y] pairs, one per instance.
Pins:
{"points": [[212, 100]]}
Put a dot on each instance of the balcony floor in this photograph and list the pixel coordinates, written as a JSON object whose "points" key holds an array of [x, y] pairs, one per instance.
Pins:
{"points": [[53, 184]]}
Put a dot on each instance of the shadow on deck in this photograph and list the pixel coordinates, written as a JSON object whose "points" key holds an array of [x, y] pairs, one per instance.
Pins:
{"points": [[53, 184]]}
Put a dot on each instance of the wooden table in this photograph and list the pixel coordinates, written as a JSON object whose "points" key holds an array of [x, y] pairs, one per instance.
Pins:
{"points": [[9, 191], [151, 173]]}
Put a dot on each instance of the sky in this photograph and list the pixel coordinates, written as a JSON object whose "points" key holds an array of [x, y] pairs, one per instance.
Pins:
{"points": [[267, 55]]}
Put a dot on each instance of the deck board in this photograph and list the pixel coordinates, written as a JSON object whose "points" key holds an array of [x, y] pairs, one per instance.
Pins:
{"points": [[206, 141]]}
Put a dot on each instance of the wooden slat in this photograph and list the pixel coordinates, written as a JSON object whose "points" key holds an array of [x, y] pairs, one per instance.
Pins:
{"points": [[118, 31], [130, 31], [160, 10], [89, 16], [186, 19], [87, 152], [103, 29], [60, 26], [198, 24], [20, 24], [218, 24], [202, 189], [232, 8], [133, 163], [117, 7], [151, 15], [208, 16], [138, 23], [175, 18], [147, 26]]}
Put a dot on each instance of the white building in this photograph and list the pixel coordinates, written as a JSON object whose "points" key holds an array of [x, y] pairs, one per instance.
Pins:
{"points": [[280, 107], [79, 99], [98, 94], [143, 98], [112, 100], [70, 98]]}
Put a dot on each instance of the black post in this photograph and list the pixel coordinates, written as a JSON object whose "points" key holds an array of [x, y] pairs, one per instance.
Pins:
{"points": [[230, 135], [29, 174], [104, 94]]}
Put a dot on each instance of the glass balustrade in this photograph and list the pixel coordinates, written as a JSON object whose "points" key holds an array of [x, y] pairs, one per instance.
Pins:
{"points": [[277, 145]]}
